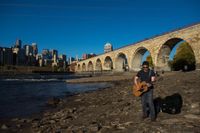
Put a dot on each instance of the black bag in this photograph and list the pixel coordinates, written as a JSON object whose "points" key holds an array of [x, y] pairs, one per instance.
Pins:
{"points": [[170, 104]]}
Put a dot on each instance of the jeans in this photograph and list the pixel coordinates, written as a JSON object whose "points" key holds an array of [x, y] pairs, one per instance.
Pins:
{"points": [[147, 104]]}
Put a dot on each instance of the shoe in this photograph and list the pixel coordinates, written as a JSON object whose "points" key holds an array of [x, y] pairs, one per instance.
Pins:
{"points": [[144, 117]]}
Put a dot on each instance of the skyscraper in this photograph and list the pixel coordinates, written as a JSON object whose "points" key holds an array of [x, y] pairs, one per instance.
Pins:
{"points": [[63, 57], [86, 56], [28, 50], [18, 44], [108, 47], [54, 53], [54, 57], [62, 60], [45, 54], [70, 60], [7, 56], [1, 56], [35, 49]]}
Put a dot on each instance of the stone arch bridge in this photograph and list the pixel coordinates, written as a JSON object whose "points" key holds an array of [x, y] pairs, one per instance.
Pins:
{"points": [[130, 56]]}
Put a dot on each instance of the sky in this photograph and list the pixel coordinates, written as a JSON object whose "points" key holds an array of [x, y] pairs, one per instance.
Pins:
{"points": [[74, 27]]}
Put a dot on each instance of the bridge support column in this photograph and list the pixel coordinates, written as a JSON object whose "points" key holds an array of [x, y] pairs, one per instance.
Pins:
{"points": [[197, 58], [195, 44]]}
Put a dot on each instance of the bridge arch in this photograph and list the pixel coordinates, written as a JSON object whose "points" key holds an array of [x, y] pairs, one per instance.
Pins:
{"points": [[83, 67], [90, 66], [165, 50], [121, 62], [98, 66], [108, 63], [79, 67], [138, 58]]}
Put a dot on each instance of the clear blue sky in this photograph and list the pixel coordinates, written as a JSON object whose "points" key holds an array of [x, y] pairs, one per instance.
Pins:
{"points": [[83, 26]]}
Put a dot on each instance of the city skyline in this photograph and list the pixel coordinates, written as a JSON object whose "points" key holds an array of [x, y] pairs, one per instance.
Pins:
{"points": [[27, 55], [24, 45], [77, 27]]}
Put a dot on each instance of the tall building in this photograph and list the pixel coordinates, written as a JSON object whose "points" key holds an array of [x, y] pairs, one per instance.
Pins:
{"points": [[77, 58], [18, 44], [63, 57], [7, 56], [71, 60], [28, 50], [30, 57], [45, 54], [86, 56], [54, 54], [108, 47], [48, 62], [91, 55], [19, 56], [38, 56], [62, 61], [39, 60], [54, 57], [35, 49], [1, 57]]}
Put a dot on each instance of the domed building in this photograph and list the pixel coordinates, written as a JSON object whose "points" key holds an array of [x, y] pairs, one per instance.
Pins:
{"points": [[108, 47]]}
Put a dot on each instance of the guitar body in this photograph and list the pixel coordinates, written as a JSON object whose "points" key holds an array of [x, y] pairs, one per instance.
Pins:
{"points": [[140, 89]]}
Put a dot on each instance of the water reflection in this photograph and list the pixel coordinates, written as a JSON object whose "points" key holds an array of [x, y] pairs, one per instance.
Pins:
{"points": [[20, 98]]}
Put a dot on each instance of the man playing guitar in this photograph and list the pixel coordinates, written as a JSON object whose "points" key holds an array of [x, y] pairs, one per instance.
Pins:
{"points": [[147, 75]]}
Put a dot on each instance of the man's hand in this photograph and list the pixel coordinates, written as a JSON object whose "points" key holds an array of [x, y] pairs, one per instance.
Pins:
{"points": [[149, 85]]}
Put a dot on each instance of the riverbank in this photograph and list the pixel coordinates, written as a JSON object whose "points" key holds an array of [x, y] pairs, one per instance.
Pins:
{"points": [[102, 78], [16, 70], [116, 110]]}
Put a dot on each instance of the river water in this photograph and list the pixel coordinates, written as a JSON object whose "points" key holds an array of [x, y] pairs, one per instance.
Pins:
{"points": [[22, 97]]}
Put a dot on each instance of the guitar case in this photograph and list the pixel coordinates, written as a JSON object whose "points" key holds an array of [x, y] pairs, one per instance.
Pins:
{"points": [[170, 104]]}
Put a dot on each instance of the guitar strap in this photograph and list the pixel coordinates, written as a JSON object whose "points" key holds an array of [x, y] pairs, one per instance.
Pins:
{"points": [[150, 74]]}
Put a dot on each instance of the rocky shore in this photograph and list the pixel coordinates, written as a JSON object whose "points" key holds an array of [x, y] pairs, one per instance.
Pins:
{"points": [[116, 110], [102, 78]]}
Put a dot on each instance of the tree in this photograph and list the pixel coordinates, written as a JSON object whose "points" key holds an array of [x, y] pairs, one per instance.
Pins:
{"points": [[149, 59], [184, 58]]}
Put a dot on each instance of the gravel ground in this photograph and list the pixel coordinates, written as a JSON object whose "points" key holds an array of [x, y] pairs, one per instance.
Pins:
{"points": [[116, 110]]}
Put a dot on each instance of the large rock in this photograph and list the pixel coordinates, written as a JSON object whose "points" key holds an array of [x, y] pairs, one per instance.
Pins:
{"points": [[4, 127], [53, 101], [195, 108]]}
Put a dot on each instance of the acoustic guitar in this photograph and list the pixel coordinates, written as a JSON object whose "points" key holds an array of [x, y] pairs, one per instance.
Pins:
{"points": [[139, 89]]}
